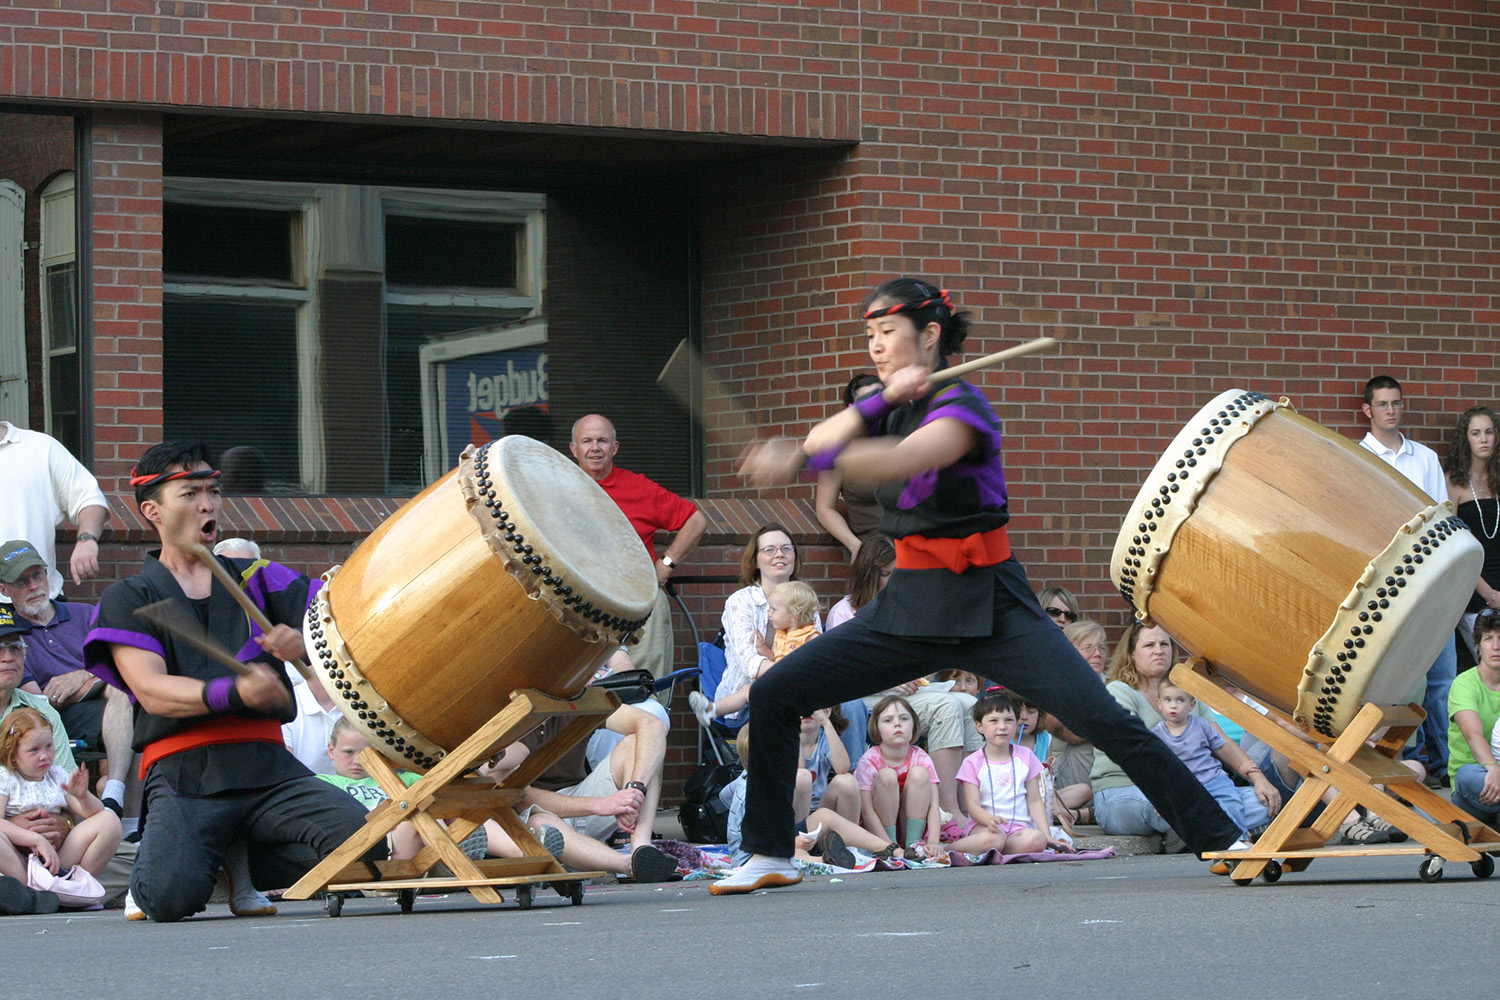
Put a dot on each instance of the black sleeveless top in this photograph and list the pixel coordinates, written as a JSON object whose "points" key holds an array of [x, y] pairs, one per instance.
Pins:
{"points": [[1484, 516]]}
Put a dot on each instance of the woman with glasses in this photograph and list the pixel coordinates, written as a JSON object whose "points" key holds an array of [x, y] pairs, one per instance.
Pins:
{"points": [[958, 598], [769, 560], [1060, 604]]}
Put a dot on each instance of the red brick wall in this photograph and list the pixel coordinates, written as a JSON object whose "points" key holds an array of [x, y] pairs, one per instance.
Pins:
{"points": [[786, 69], [126, 177], [1194, 197]]}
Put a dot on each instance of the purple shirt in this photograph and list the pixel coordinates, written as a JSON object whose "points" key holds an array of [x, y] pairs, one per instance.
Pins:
{"points": [[56, 648], [1195, 747]]}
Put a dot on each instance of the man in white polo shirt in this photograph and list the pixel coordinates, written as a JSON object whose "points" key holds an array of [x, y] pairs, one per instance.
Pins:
{"points": [[1384, 407], [42, 485]]}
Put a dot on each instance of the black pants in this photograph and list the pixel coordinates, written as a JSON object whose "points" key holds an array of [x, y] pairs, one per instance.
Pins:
{"points": [[1027, 654], [288, 827]]}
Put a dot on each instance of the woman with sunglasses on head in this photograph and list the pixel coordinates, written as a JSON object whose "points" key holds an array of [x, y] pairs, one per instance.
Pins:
{"points": [[957, 595]]}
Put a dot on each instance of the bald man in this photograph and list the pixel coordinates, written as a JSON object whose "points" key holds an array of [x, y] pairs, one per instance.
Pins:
{"points": [[650, 508]]}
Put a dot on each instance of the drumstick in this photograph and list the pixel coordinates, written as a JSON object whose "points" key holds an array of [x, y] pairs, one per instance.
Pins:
{"points": [[242, 599], [683, 371], [169, 617], [990, 360]]}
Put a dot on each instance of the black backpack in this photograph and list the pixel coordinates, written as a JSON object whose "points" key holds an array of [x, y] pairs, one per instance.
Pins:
{"points": [[704, 818]]}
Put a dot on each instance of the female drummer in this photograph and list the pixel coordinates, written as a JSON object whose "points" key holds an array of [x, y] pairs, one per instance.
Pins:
{"points": [[1472, 466], [957, 595]]}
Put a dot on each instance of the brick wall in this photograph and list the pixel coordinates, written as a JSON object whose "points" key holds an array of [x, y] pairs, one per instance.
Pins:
{"points": [[126, 178], [742, 69], [1193, 197]]}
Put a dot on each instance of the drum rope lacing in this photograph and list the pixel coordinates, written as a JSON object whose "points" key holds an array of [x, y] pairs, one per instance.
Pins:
{"points": [[1489, 533], [528, 556]]}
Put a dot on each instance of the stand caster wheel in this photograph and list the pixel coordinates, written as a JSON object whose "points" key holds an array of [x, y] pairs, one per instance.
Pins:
{"points": [[575, 889], [1484, 867], [335, 903], [523, 896], [1431, 870], [1272, 872], [406, 899]]}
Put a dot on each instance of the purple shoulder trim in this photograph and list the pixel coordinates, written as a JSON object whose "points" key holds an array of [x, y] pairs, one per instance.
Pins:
{"points": [[97, 659]]}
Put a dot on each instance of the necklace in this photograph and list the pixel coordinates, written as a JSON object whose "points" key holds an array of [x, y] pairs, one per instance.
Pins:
{"points": [[1489, 533]]}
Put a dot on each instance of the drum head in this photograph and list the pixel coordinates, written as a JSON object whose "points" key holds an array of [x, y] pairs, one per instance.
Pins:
{"points": [[581, 534]]}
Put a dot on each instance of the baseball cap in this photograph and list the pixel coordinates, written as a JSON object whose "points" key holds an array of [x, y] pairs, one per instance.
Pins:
{"points": [[11, 625], [16, 558]]}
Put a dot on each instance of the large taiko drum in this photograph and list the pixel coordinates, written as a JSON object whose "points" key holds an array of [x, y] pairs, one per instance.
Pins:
{"points": [[1310, 572], [515, 570]]}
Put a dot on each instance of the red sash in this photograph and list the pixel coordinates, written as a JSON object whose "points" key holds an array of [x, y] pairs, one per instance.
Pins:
{"points": [[220, 729], [987, 548]]}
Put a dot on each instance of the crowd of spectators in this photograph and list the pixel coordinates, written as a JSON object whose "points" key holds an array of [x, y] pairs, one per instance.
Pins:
{"points": [[943, 763]]}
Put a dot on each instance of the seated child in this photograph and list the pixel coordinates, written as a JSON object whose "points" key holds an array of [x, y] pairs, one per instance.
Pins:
{"points": [[828, 835], [821, 748], [1200, 745], [344, 746], [896, 780], [793, 613], [1000, 784], [963, 681], [29, 780]]}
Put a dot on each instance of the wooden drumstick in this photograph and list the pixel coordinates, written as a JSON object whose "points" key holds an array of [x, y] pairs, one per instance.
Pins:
{"points": [[169, 617], [685, 368], [1036, 346], [242, 599]]}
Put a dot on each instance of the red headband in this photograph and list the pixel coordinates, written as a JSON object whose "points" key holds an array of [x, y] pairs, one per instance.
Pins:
{"points": [[904, 307], [166, 477]]}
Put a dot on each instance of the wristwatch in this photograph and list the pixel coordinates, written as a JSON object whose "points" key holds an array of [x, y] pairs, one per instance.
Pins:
{"points": [[87, 536], [669, 562]]}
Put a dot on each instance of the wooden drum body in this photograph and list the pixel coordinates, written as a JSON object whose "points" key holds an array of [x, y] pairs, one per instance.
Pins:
{"points": [[1310, 572], [515, 570]]}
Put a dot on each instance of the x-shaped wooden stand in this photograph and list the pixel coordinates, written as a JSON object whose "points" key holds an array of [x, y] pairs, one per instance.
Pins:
{"points": [[444, 793], [1360, 774]]}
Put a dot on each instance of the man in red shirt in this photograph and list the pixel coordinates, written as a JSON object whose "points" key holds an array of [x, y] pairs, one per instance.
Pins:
{"points": [[650, 508]]}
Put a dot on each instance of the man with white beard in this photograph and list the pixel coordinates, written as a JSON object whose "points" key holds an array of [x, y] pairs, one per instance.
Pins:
{"points": [[90, 709]]}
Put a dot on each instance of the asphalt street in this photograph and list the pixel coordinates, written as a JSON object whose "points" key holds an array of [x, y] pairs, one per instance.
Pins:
{"points": [[1153, 926]]}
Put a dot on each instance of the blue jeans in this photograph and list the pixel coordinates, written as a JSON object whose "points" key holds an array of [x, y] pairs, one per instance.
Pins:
{"points": [[1126, 812], [1467, 784], [854, 737], [1431, 747]]}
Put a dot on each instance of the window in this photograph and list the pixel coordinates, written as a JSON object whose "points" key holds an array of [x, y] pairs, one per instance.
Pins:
{"points": [[296, 317], [61, 392]]}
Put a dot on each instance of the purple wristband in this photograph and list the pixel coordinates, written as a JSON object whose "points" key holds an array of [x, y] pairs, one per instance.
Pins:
{"points": [[217, 694], [824, 460], [872, 408]]}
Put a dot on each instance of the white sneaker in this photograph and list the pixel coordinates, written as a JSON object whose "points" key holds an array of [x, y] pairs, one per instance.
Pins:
{"points": [[703, 708], [760, 872], [133, 912], [1238, 845]]}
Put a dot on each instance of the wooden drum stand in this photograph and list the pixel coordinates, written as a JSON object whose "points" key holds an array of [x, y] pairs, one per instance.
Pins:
{"points": [[444, 793], [1355, 771]]}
